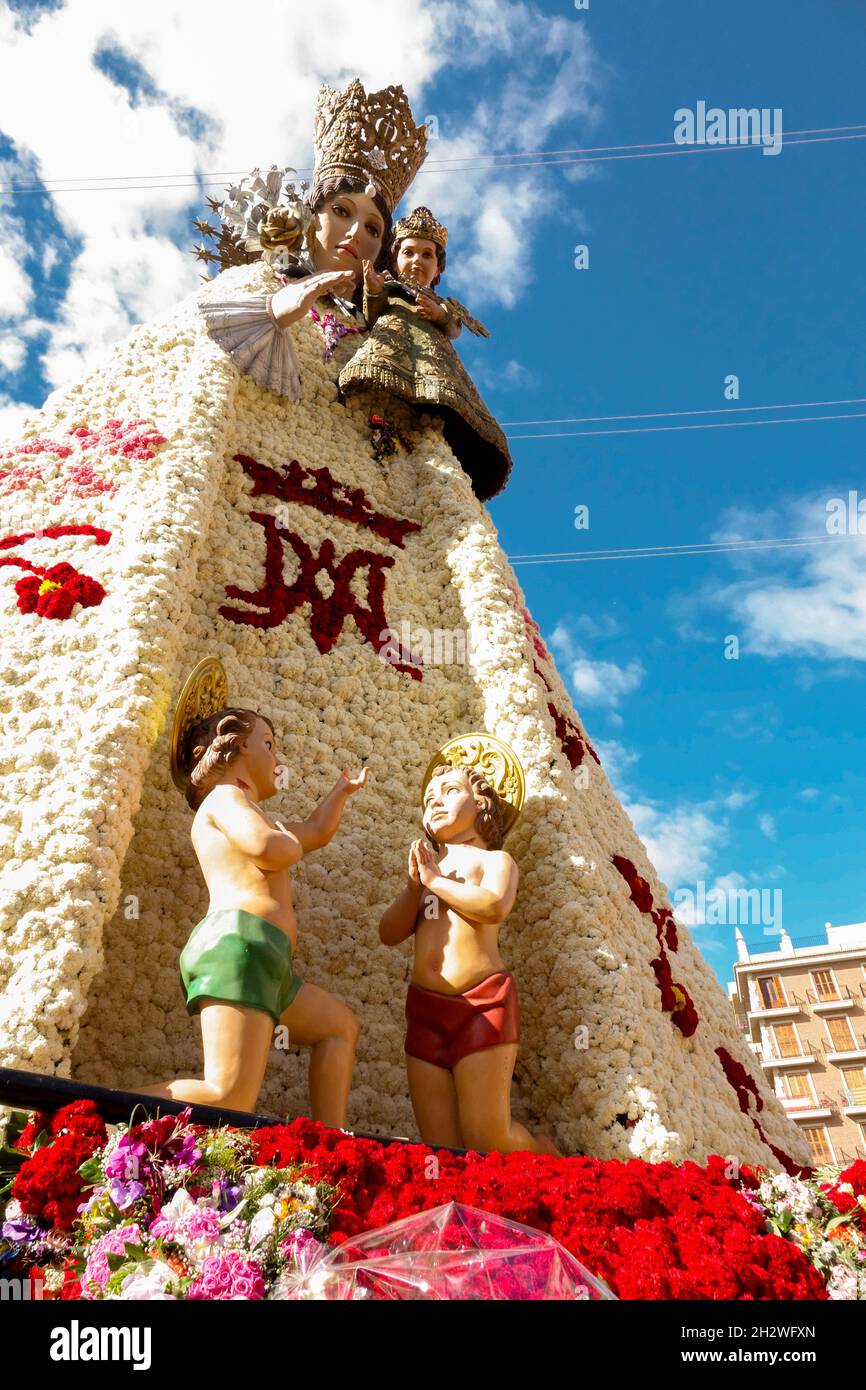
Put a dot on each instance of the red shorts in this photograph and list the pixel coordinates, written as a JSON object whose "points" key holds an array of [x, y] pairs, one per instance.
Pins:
{"points": [[442, 1028]]}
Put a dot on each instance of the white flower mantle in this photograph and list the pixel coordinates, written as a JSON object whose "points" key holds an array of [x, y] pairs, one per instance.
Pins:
{"points": [[101, 887]]}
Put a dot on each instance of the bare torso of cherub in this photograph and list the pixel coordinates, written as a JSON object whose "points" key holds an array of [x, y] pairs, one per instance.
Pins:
{"points": [[234, 880], [452, 954]]}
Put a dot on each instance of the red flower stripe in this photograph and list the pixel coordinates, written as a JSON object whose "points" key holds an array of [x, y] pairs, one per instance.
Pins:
{"points": [[744, 1085], [677, 1001]]}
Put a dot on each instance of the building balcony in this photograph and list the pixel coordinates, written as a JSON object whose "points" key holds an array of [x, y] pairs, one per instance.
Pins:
{"points": [[825, 1003], [807, 1107], [855, 1053], [854, 1102], [763, 1012], [797, 1059]]}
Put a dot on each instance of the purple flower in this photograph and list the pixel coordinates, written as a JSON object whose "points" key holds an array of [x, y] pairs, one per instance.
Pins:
{"points": [[127, 1160], [187, 1155], [125, 1194], [226, 1194], [21, 1230]]}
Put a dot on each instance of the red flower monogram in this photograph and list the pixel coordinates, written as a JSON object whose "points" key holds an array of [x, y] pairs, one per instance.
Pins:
{"points": [[330, 611], [316, 487]]}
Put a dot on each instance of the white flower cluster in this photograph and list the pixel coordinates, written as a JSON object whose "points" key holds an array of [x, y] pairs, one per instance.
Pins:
{"points": [[91, 702]]}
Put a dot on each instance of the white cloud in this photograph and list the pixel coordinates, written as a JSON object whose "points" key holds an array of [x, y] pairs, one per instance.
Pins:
{"points": [[735, 799], [808, 601], [688, 908], [615, 757], [12, 413], [809, 793], [680, 840], [512, 374], [16, 288], [253, 85], [767, 826], [551, 80], [13, 353], [595, 682]]}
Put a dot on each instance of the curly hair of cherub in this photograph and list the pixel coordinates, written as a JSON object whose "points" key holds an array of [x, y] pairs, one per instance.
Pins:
{"points": [[212, 745], [488, 823]]}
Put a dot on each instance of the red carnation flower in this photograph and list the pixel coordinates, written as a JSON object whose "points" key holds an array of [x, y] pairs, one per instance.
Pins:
{"points": [[856, 1176], [81, 1117], [32, 1130], [48, 1184]]}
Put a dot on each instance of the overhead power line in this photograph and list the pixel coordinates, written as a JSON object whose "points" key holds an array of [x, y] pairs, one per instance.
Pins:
{"points": [[646, 552], [669, 429], [449, 164], [670, 414]]}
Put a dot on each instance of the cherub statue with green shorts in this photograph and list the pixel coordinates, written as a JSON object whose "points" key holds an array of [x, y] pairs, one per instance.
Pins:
{"points": [[236, 968]]}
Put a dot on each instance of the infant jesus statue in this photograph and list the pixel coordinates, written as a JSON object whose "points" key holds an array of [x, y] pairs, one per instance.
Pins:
{"points": [[236, 968], [463, 1025]]}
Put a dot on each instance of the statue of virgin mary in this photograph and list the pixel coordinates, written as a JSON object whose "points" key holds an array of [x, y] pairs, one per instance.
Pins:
{"points": [[209, 490]]}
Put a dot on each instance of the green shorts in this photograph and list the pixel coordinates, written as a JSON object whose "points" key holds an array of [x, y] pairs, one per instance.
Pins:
{"points": [[238, 958]]}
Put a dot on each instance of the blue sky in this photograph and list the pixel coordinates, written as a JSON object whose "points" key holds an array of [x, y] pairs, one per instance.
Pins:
{"points": [[744, 772]]}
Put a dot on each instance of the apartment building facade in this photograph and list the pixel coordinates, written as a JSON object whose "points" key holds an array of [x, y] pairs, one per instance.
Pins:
{"points": [[802, 1009]]}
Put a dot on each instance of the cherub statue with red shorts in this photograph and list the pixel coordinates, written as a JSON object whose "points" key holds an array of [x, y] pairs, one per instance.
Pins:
{"points": [[236, 969], [463, 1020]]}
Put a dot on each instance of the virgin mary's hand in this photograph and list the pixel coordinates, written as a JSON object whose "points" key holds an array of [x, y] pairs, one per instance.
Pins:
{"points": [[291, 302]]}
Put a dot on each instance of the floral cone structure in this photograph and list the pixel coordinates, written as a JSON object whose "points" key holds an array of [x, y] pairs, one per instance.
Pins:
{"points": [[367, 607]]}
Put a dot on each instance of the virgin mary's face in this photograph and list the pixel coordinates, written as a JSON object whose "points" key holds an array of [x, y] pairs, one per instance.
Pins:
{"points": [[350, 230]]}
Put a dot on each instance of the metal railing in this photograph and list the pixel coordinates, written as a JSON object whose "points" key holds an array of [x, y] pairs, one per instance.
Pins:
{"points": [[29, 1090], [796, 1001], [829, 1048], [839, 998]]}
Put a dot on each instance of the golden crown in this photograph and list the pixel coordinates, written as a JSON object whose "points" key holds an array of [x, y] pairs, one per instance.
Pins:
{"points": [[422, 223], [498, 763], [370, 136]]}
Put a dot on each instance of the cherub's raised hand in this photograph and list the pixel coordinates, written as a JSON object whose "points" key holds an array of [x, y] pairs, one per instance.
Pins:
{"points": [[354, 784], [373, 280], [429, 309]]}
